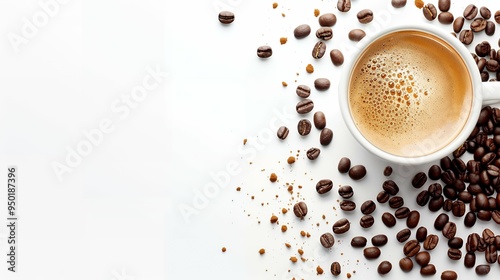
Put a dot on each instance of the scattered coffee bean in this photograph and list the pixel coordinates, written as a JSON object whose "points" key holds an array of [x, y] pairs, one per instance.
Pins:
{"points": [[356, 35], [495, 215], [472, 242], [347, 205], [327, 19], [344, 165], [411, 248], [346, 191], [337, 57], [344, 5], [421, 234], [390, 187], [396, 202], [303, 91], [398, 3], [406, 264], [478, 25], [492, 65], [368, 207], [264, 51], [456, 243], [466, 36], [365, 16], [491, 254], [482, 269], [497, 17], [388, 219], [358, 242], [313, 153], [302, 31], [282, 132], [357, 172], [423, 258], [449, 275], [341, 226], [413, 219], [445, 18], [383, 197], [470, 219], [490, 28], [435, 190], [384, 267], [371, 253], [419, 180], [319, 120], [444, 5], [335, 269], [431, 242], [304, 127], [458, 24], [304, 106], [324, 33], [428, 270], [441, 221], [387, 171], [366, 221], [403, 235], [470, 260], [470, 12], [449, 230], [422, 198], [319, 50], [485, 12], [436, 203], [430, 12], [458, 208], [379, 240], [327, 240], [447, 205], [300, 209], [326, 136], [402, 213], [226, 17], [324, 186]]}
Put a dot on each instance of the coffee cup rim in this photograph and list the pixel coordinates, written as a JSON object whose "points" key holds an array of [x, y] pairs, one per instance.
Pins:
{"points": [[476, 95]]}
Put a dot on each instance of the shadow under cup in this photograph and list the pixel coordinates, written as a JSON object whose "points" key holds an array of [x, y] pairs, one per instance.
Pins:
{"points": [[409, 94]]}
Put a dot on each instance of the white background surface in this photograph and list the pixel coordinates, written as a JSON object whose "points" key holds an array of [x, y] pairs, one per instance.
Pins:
{"points": [[117, 214]]}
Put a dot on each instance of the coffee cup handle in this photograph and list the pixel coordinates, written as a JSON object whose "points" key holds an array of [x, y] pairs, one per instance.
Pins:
{"points": [[491, 93]]}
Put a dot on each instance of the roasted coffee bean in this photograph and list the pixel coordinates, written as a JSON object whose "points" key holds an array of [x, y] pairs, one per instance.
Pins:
{"points": [[282, 132], [313, 153], [406, 264], [454, 254], [365, 16], [450, 193], [398, 3], [402, 213], [419, 180], [466, 36], [445, 18], [497, 242], [326, 136], [482, 269], [387, 171], [335, 268], [472, 242], [346, 191], [445, 163], [495, 215], [390, 187], [318, 51], [319, 120], [341, 226], [304, 127], [358, 242], [344, 5], [490, 28], [434, 173], [484, 115], [411, 248], [423, 258], [302, 31], [478, 25], [324, 186], [337, 57], [430, 12], [491, 254], [436, 203], [435, 190], [356, 35], [458, 24], [492, 65], [488, 236], [344, 165], [470, 260], [327, 19], [366, 221], [327, 240], [449, 275], [444, 5], [388, 219], [448, 177], [357, 172], [492, 202], [368, 207], [456, 243], [226, 17], [379, 240], [431, 242], [423, 197], [303, 91], [413, 219], [475, 189], [441, 221], [264, 51], [447, 205], [481, 64], [300, 209], [421, 234], [458, 165], [371, 253], [497, 17], [482, 201], [458, 208], [484, 215], [403, 235], [482, 245], [383, 197], [459, 152], [396, 202], [492, 170], [384, 267], [304, 106], [472, 205], [470, 12], [322, 83], [485, 12], [470, 219], [449, 230], [347, 205], [324, 33]]}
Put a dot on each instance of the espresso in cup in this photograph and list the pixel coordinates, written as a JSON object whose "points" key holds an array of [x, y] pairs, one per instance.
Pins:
{"points": [[410, 93]]}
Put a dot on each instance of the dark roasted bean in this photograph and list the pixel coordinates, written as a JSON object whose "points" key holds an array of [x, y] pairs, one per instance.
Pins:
{"points": [[421, 234], [335, 268], [431, 242], [466, 36], [383, 197], [411, 248], [458, 208], [226, 17], [441, 221], [390, 187], [406, 264], [470, 260], [264, 51], [379, 240], [371, 252], [302, 31], [304, 127], [344, 165], [324, 33], [419, 180], [444, 5], [436, 203], [454, 254], [482, 269], [413, 219], [319, 50], [396, 202], [449, 230], [326, 136], [458, 24], [403, 235], [472, 242], [313, 153], [304, 106], [423, 258], [434, 172], [388, 219], [445, 164], [456, 243], [341, 226], [398, 3], [328, 19], [491, 254], [337, 57], [384, 267], [435, 190], [366, 221], [470, 219], [387, 171], [430, 12], [327, 240], [347, 205], [357, 172], [358, 242], [470, 12], [344, 5], [324, 186], [423, 197], [485, 12], [356, 35], [445, 18], [402, 213], [478, 25], [365, 16], [449, 275], [300, 209], [346, 191], [490, 28], [303, 91], [368, 207], [282, 132]]}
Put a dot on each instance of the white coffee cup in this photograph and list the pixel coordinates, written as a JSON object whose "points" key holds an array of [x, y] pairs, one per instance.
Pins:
{"points": [[484, 93]]}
